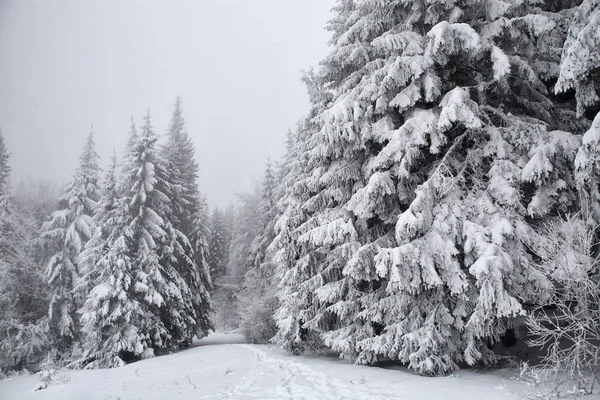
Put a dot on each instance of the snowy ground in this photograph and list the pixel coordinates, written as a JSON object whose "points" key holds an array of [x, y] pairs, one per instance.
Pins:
{"points": [[222, 367]]}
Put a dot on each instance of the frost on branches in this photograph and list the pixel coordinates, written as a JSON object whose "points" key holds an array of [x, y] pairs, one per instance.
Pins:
{"points": [[432, 151]]}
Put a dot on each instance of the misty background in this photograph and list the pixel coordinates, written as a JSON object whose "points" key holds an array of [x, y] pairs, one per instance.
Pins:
{"points": [[67, 65]]}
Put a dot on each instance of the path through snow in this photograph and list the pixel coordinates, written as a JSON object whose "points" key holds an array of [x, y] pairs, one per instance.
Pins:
{"points": [[220, 367], [296, 381]]}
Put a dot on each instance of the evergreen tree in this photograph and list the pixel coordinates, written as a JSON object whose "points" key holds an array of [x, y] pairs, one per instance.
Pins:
{"points": [[182, 170], [105, 213], [70, 227], [23, 293], [580, 72], [257, 301], [159, 248], [113, 314], [4, 172], [581, 51], [8, 224], [249, 225], [283, 166], [199, 239], [431, 151], [217, 245], [187, 214], [140, 301], [230, 225], [268, 211], [132, 137]]}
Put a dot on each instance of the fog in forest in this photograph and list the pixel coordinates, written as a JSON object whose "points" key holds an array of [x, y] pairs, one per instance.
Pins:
{"points": [[68, 65]]}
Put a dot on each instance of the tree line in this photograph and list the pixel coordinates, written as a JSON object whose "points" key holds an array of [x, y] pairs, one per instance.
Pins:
{"points": [[126, 257]]}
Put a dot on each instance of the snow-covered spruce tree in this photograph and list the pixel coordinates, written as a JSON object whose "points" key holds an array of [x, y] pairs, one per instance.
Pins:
{"points": [[172, 247], [569, 252], [113, 314], [249, 224], [283, 166], [4, 172], [182, 169], [67, 232], [230, 225], [140, 301], [218, 245], [104, 217], [256, 300], [580, 71], [23, 294], [7, 208], [432, 149], [268, 212], [188, 215], [198, 238], [291, 334]]}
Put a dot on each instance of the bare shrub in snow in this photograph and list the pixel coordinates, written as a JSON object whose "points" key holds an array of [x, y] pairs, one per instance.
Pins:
{"points": [[568, 332]]}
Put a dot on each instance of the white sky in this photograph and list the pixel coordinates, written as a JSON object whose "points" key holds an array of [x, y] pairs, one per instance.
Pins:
{"points": [[68, 64]]}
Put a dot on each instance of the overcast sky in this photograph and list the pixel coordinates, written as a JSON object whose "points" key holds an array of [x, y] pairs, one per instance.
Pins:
{"points": [[69, 64]]}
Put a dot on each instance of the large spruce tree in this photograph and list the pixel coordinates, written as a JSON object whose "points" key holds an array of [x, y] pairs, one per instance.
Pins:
{"points": [[139, 300], [580, 72], [256, 299], [67, 232], [218, 245], [23, 290], [188, 215], [433, 149]]}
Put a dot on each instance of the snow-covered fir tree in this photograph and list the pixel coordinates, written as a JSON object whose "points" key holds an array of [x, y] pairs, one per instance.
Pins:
{"points": [[112, 313], [23, 294], [249, 224], [188, 213], [218, 245], [4, 171], [140, 301], [256, 300], [230, 223], [432, 150], [580, 72], [132, 137], [182, 169], [199, 237], [7, 209], [579, 67], [67, 232], [104, 217]]}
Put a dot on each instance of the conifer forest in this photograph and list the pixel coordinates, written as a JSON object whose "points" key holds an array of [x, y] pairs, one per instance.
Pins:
{"points": [[434, 212]]}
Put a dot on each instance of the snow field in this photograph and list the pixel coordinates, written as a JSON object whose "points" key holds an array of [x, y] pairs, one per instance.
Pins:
{"points": [[221, 367]]}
